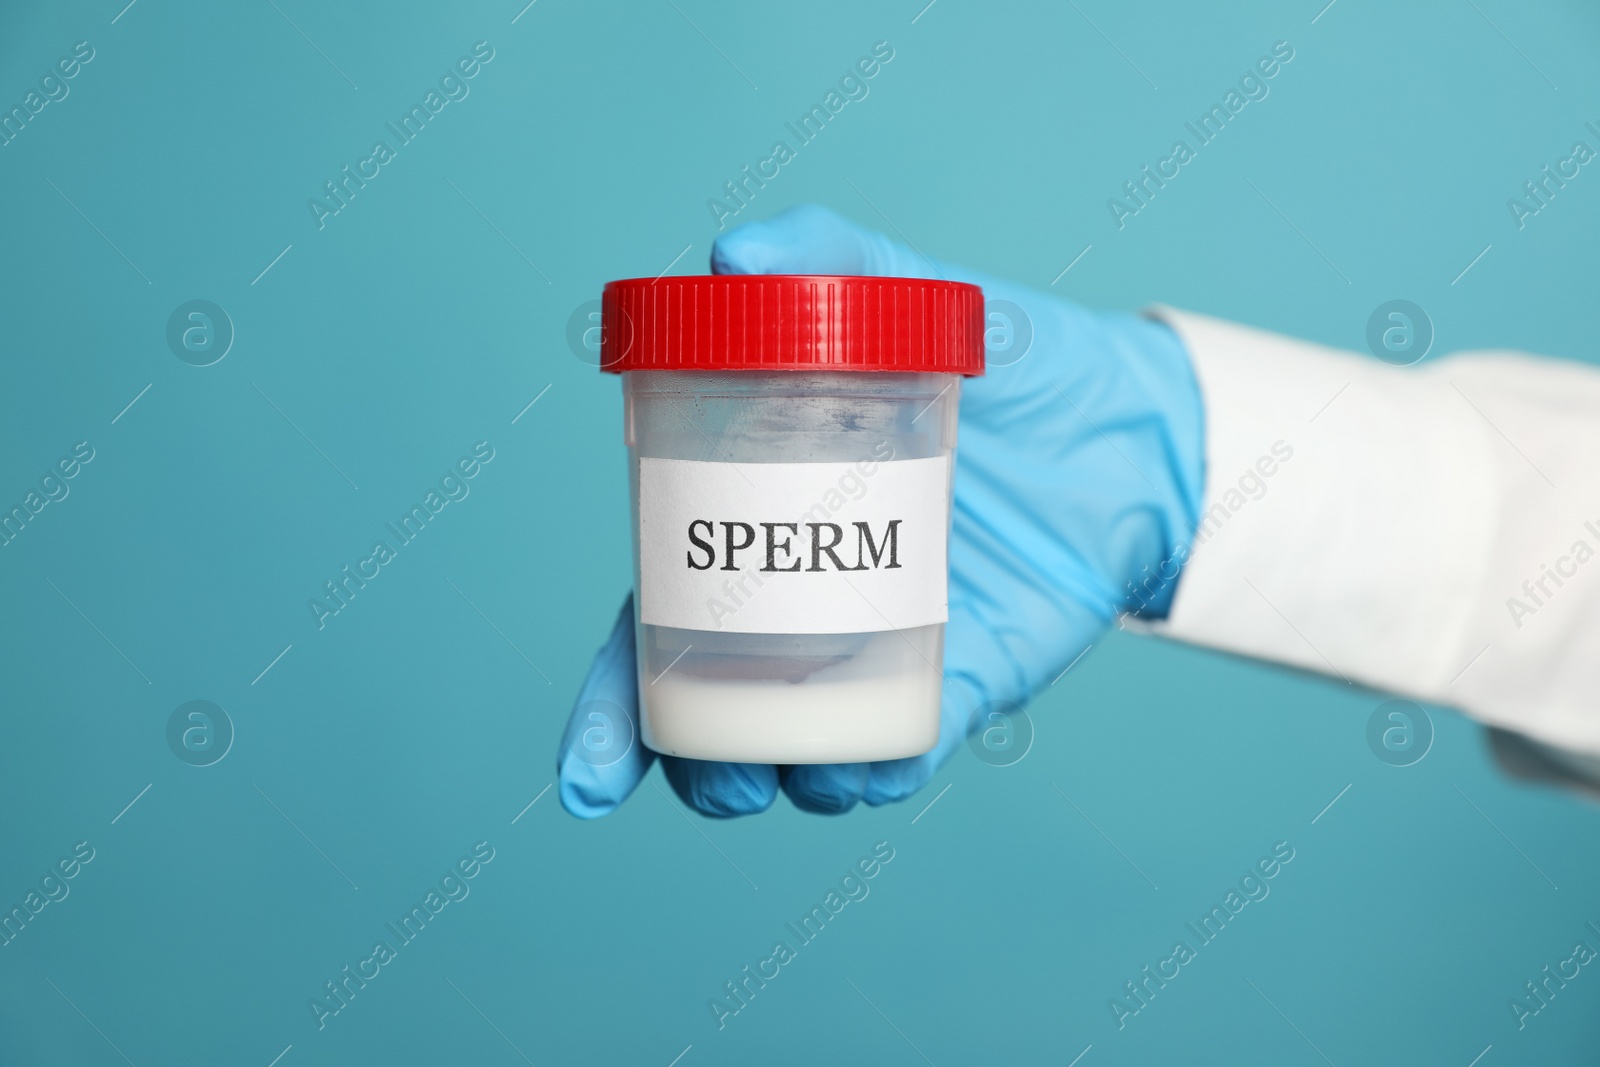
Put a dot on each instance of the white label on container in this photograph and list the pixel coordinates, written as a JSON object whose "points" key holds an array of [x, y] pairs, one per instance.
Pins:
{"points": [[793, 548]]}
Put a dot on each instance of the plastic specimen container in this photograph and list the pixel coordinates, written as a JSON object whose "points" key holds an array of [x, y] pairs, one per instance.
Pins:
{"points": [[791, 442]]}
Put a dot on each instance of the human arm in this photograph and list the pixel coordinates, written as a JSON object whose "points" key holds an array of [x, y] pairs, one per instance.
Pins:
{"points": [[1434, 532], [1315, 508]]}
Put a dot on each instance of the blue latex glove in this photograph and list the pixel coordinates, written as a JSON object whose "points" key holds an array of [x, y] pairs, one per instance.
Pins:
{"points": [[1078, 475]]}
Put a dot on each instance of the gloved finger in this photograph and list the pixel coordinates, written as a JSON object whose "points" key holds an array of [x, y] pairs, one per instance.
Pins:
{"points": [[808, 239], [825, 788], [601, 759], [722, 790]]}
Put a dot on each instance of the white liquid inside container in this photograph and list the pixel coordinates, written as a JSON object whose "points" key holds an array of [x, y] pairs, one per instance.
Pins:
{"points": [[715, 691], [870, 705]]}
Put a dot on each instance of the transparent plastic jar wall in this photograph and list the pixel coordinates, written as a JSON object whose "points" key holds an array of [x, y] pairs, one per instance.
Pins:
{"points": [[789, 698]]}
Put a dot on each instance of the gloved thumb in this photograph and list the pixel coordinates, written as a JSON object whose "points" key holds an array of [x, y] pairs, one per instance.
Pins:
{"points": [[809, 239], [602, 759]]}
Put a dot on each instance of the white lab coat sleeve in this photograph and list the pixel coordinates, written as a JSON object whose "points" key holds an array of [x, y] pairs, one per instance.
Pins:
{"points": [[1432, 531]]}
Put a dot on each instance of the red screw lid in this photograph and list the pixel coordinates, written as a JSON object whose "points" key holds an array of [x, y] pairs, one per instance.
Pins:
{"points": [[791, 322]]}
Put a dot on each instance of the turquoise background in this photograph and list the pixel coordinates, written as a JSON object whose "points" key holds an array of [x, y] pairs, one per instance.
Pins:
{"points": [[424, 717]]}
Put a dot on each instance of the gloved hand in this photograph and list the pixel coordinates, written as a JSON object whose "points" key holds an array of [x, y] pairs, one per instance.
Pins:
{"points": [[1078, 476]]}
